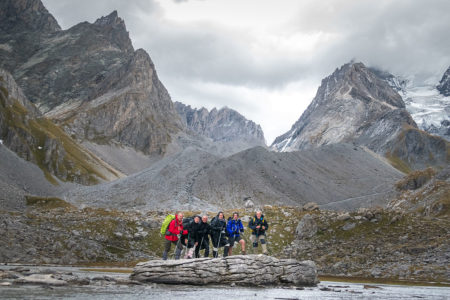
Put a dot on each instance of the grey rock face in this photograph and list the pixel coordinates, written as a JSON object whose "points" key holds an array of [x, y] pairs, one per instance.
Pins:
{"points": [[306, 228], [444, 84], [22, 24], [250, 270], [221, 125], [140, 114], [17, 15], [355, 105]]}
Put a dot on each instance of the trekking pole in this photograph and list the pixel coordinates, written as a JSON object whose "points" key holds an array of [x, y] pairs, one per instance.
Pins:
{"points": [[257, 240], [185, 249], [176, 247], [218, 242], [200, 247]]}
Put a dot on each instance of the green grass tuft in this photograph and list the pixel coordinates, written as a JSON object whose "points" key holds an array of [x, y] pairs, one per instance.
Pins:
{"points": [[47, 202]]}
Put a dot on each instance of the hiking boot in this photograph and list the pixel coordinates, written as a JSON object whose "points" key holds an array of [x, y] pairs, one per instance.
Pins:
{"points": [[243, 252]]}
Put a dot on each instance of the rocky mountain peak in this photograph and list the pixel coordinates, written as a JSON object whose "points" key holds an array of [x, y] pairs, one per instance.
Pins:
{"points": [[224, 124], [347, 102], [20, 15], [111, 20], [114, 28], [444, 85], [356, 80]]}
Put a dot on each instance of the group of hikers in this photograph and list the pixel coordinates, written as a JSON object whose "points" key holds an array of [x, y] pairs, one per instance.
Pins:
{"points": [[194, 235]]}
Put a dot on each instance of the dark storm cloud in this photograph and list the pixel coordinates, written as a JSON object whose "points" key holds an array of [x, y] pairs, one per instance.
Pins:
{"points": [[405, 37], [207, 53], [402, 36], [200, 51]]}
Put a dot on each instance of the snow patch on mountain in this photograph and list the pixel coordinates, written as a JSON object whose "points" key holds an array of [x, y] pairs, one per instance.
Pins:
{"points": [[429, 108]]}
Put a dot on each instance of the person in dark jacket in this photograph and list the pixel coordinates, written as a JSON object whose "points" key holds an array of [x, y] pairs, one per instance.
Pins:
{"points": [[204, 232], [218, 234], [234, 230], [193, 237], [258, 225], [173, 235]]}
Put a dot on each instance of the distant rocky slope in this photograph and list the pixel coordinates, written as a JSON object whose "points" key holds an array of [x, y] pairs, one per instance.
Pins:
{"points": [[18, 178], [35, 138], [425, 192], [223, 125], [88, 78], [339, 176], [444, 84], [355, 105]]}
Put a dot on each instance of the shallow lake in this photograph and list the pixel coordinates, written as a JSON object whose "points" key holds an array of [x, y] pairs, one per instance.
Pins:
{"points": [[325, 290]]}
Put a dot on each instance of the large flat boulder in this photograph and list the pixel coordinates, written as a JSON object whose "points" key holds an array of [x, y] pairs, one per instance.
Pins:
{"points": [[244, 270]]}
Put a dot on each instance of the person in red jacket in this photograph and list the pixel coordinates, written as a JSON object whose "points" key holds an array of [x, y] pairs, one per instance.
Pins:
{"points": [[173, 236]]}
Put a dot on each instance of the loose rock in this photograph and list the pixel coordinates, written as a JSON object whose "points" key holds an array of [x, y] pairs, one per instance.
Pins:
{"points": [[348, 226], [249, 204], [310, 206], [306, 228]]}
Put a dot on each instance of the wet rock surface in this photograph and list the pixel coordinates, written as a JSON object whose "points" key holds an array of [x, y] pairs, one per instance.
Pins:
{"points": [[57, 277], [250, 270]]}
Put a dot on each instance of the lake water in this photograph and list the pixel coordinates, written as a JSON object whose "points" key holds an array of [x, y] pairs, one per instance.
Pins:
{"points": [[325, 290]]}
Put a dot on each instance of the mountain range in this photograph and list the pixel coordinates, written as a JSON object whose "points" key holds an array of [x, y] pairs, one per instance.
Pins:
{"points": [[90, 112]]}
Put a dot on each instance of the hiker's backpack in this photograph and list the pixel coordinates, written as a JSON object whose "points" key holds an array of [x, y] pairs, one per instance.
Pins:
{"points": [[187, 222], [166, 223]]}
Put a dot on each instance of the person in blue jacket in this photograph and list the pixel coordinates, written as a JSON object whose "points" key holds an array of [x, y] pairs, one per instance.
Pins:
{"points": [[234, 230]]}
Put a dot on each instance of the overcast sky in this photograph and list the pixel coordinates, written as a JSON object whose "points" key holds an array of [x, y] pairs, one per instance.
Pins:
{"points": [[266, 58]]}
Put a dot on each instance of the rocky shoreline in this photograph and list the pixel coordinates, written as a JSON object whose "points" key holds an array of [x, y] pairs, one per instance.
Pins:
{"points": [[375, 243]]}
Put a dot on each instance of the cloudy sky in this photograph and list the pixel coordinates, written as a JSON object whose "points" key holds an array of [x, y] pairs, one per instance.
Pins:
{"points": [[266, 58]]}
